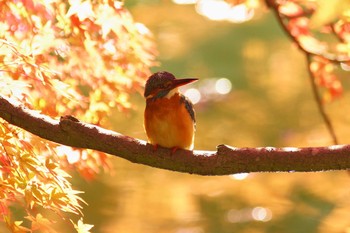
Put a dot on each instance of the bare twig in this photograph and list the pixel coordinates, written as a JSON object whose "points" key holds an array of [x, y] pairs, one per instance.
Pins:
{"points": [[320, 106], [274, 6]]}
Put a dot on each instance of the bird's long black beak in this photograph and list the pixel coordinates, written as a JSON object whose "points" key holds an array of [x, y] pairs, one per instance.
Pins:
{"points": [[183, 81]]}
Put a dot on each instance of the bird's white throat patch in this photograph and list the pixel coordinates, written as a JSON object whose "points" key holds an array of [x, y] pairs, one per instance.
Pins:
{"points": [[172, 93]]}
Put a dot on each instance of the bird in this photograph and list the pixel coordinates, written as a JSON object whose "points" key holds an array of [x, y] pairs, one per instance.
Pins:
{"points": [[169, 117]]}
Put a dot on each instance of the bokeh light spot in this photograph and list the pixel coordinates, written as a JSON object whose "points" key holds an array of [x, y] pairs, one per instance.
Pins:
{"points": [[184, 2], [223, 86], [240, 14], [261, 214], [220, 10], [239, 176], [73, 156], [213, 10], [193, 94]]}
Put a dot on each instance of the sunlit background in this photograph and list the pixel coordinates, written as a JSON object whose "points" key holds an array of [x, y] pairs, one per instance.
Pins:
{"points": [[253, 90]]}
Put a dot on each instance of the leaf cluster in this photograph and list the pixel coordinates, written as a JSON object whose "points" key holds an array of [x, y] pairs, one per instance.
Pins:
{"points": [[321, 30], [79, 58]]}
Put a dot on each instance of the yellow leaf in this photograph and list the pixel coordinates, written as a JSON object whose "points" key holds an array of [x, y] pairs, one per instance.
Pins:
{"points": [[39, 222], [82, 9], [82, 228]]}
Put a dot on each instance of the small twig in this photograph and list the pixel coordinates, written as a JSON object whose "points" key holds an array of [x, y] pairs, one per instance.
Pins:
{"points": [[274, 6], [333, 58], [320, 106]]}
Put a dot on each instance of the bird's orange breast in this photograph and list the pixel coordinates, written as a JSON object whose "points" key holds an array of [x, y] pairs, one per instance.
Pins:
{"points": [[168, 123]]}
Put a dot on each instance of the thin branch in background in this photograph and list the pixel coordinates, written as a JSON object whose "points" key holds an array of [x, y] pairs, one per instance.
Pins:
{"points": [[274, 6], [317, 97]]}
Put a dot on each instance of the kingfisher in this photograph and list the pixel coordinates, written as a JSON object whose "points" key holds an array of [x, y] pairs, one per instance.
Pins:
{"points": [[169, 118]]}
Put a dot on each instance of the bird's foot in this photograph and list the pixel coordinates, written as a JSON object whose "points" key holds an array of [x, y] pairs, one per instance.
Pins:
{"points": [[155, 147], [174, 149]]}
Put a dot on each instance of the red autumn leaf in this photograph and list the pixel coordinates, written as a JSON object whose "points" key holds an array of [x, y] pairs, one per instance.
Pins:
{"points": [[299, 26]]}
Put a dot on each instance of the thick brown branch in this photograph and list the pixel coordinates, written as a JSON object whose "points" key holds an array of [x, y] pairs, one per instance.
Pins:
{"points": [[226, 160]]}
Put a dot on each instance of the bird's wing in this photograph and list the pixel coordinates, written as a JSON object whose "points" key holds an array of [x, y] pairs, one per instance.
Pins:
{"points": [[189, 107]]}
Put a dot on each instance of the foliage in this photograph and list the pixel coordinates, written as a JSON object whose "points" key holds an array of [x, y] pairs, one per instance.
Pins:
{"points": [[84, 58], [321, 30], [62, 57]]}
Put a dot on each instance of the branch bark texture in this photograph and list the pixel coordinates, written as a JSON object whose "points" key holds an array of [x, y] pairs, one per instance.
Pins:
{"points": [[225, 160]]}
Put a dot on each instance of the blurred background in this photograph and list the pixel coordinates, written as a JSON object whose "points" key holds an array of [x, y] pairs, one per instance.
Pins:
{"points": [[253, 91]]}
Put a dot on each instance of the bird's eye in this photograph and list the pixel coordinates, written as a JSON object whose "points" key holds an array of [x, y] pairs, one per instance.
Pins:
{"points": [[167, 85]]}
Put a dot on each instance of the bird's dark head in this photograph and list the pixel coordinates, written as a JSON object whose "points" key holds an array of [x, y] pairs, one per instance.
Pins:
{"points": [[161, 83]]}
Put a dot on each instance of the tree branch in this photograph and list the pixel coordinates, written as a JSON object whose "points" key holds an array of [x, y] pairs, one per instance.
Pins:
{"points": [[335, 59], [318, 100], [226, 160]]}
